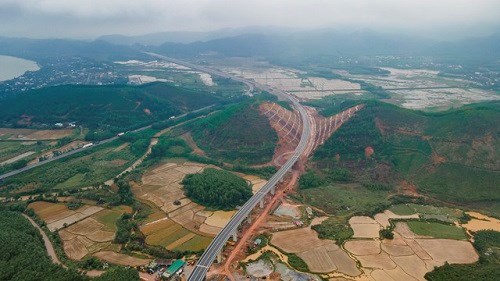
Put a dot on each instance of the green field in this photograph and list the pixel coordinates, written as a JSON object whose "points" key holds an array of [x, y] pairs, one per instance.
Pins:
{"points": [[238, 134], [83, 169], [105, 110], [428, 211], [196, 244], [437, 230], [345, 199]]}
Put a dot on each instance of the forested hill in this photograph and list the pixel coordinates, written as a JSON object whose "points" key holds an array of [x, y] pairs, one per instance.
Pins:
{"points": [[452, 155], [102, 109], [40, 49], [238, 134]]}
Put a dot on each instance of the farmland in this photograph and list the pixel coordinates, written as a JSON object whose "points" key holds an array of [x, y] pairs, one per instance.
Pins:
{"points": [[19, 235], [84, 231], [185, 225], [409, 255], [83, 169]]}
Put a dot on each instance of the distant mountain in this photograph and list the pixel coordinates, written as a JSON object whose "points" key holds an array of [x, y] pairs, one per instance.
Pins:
{"points": [[482, 47], [324, 44], [186, 37], [306, 44], [39, 49]]}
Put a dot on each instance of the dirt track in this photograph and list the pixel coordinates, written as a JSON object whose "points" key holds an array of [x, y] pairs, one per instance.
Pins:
{"points": [[48, 244]]}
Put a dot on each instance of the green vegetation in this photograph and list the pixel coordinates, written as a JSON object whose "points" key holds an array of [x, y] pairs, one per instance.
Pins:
{"points": [[386, 233], [105, 110], [123, 229], [334, 230], [451, 156], [217, 189], [87, 168], [309, 180], [487, 244], [437, 230], [429, 212], [119, 273], [297, 263], [21, 246], [345, 199], [9, 149], [238, 134], [168, 147]]}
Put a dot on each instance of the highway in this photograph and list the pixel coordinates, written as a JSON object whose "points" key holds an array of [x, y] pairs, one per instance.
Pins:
{"points": [[67, 154], [217, 245]]}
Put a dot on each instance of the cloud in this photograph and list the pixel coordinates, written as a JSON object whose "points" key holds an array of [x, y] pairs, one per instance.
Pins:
{"points": [[96, 17]]}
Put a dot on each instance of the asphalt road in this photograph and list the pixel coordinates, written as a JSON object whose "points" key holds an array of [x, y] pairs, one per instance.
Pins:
{"points": [[27, 168], [220, 240]]}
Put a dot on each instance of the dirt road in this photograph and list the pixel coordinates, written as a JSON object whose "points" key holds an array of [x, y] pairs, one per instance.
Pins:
{"points": [[48, 244]]}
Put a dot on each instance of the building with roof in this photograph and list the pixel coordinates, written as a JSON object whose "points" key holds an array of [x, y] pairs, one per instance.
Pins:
{"points": [[175, 269]]}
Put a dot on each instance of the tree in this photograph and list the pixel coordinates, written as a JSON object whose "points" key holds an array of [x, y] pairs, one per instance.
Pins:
{"points": [[217, 189]]}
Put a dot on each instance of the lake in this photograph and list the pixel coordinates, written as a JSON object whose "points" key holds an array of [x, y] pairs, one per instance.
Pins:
{"points": [[12, 67]]}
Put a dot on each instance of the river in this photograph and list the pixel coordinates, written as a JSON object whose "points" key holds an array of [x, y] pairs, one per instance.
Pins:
{"points": [[12, 67]]}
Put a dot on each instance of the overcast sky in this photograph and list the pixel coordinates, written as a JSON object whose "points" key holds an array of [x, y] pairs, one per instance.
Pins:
{"points": [[92, 18]]}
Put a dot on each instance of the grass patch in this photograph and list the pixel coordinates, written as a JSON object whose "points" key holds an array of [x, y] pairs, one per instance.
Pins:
{"points": [[198, 243], [297, 263], [345, 199], [437, 230], [334, 230]]}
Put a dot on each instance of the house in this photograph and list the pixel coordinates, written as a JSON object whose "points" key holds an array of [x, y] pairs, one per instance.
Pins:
{"points": [[257, 242], [175, 269], [309, 212]]}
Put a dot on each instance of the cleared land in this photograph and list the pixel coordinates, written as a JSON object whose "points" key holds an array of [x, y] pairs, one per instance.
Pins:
{"points": [[321, 256], [58, 216], [33, 135], [121, 259], [83, 231], [409, 256]]}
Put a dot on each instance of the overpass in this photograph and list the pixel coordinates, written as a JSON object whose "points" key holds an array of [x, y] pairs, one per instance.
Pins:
{"points": [[231, 228]]}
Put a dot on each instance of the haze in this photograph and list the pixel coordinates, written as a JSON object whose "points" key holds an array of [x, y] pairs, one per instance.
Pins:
{"points": [[444, 19]]}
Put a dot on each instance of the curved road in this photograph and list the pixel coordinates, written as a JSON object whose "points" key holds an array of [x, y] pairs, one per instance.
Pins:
{"points": [[209, 255], [48, 244]]}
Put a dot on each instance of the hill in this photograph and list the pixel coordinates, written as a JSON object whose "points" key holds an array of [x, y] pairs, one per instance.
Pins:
{"points": [[41, 49], [238, 134], [329, 47], [451, 156], [104, 110]]}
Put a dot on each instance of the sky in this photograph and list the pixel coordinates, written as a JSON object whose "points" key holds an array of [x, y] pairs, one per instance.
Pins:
{"points": [[91, 18]]}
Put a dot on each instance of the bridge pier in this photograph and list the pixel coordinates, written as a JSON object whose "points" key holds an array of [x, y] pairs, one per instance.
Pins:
{"points": [[273, 190], [261, 204], [249, 218], [235, 235], [219, 257]]}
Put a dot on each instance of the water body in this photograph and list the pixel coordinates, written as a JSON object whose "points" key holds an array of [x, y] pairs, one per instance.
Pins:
{"points": [[12, 67]]}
